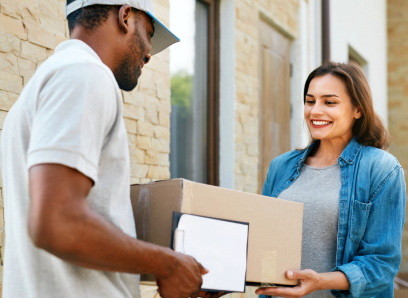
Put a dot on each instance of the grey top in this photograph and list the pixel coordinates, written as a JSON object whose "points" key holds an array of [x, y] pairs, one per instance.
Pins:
{"points": [[319, 190]]}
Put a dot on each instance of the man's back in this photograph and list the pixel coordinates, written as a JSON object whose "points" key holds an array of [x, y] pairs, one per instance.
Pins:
{"points": [[70, 113]]}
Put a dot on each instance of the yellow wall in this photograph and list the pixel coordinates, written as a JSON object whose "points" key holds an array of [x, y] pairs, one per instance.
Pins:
{"points": [[398, 92]]}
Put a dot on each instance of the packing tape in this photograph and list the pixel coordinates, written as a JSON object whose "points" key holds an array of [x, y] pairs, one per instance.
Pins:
{"points": [[268, 275], [187, 188], [143, 214]]}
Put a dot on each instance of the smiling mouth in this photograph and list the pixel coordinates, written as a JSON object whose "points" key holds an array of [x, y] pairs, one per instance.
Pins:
{"points": [[320, 123]]}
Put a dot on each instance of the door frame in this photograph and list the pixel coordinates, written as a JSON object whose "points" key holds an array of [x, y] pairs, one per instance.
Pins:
{"points": [[213, 111]]}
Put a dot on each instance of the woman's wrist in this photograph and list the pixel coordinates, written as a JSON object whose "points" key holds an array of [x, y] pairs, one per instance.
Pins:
{"points": [[333, 281]]}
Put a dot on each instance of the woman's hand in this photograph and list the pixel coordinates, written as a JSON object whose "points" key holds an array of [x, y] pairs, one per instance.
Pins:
{"points": [[310, 282]]}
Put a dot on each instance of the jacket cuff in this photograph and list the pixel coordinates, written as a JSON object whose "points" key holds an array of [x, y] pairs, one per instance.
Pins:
{"points": [[356, 279]]}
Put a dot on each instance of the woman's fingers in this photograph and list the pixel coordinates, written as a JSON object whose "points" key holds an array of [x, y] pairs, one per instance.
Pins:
{"points": [[300, 274], [281, 292]]}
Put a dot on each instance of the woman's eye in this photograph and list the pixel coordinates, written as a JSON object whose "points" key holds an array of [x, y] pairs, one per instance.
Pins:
{"points": [[310, 101], [330, 102]]}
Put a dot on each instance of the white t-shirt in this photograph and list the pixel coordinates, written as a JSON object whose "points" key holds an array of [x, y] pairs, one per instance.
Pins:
{"points": [[70, 113]]}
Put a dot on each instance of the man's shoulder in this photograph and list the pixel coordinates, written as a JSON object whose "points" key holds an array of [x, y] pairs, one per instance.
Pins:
{"points": [[75, 61]]}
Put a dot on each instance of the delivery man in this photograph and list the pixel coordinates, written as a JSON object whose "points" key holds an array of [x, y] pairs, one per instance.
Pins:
{"points": [[65, 164]]}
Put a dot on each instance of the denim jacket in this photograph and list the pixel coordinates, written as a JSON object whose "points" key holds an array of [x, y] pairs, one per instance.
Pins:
{"points": [[371, 216]]}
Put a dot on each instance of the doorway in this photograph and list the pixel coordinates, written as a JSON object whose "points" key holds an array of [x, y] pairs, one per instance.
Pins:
{"points": [[275, 102]]}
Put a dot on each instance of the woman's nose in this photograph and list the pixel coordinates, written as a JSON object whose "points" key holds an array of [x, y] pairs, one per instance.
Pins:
{"points": [[317, 109]]}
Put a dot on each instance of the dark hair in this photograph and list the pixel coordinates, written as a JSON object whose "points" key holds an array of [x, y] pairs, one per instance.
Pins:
{"points": [[369, 129], [91, 16]]}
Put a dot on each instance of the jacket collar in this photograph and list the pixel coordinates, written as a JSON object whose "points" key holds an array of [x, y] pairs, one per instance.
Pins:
{"points": [[348, 155]]}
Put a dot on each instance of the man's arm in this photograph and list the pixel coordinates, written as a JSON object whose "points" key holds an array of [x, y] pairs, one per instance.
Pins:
{"points": [[62, 223]]}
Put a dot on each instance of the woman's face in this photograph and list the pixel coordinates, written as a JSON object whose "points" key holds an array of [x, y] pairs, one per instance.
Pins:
{"points": [[329, 112]]}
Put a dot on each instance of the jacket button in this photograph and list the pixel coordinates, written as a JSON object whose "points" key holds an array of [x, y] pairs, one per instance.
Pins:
{"points": [[291, 179]]}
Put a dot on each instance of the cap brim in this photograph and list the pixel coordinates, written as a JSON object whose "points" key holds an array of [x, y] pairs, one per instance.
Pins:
{"points": [[162, 38]]}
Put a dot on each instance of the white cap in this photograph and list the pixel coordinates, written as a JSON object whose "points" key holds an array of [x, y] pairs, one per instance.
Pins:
{"points": [[162, 37]]}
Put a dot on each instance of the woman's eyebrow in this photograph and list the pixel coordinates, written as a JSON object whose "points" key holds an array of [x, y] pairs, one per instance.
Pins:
{"points": [[310, 95], [330, 95]]}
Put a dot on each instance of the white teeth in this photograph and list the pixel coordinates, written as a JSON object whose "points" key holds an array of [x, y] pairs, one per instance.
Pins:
{"points": [[320, 122]]}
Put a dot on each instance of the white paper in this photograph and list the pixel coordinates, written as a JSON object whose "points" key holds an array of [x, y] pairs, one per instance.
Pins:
{"points": [[220, 246]]}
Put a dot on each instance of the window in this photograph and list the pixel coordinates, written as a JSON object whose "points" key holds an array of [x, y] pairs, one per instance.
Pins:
{"points": [[356, 57], [194, 100]]}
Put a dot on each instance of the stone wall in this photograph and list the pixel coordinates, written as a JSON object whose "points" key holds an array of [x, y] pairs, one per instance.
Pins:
{"points": [[398, 93], [284, 13], [29, 32]]}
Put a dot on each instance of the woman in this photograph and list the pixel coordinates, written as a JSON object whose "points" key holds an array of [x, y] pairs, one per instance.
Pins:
{"points": [[352, 189]]}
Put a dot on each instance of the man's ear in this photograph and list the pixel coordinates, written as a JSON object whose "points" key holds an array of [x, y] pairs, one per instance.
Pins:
{"points": [[124, 16]]}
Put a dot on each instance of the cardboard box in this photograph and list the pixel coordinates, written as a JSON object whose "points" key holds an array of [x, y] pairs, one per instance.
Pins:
{"points": [[275, 226]]}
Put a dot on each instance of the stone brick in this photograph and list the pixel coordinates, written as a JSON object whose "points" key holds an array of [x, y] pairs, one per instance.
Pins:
{"points": [[163, 91], [61, 9], [137, 156], [8, 63], [41, 37], [131, 141], [12, 26], [138, 170], [162, 132], [10, 8], [145, 129], [143, 142], [27, 67], [53, 24], [164, 159], [152, 103], [49, 53], [164, 119], [11, 82], [26, 79], [59, 39], [397, 94], [147, 88], [10, 44], [7, 99], [133, 112], [29, 11], [152, 157], [3, 115], [38, 64], [134, 98], [165, 106], [32, 52], [134, 180], [157, 172], [161, 145], [48, 7], [130, 125], [152, 116]]}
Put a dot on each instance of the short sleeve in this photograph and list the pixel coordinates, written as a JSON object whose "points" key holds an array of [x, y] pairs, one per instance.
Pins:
{"points": [[75, 111]]}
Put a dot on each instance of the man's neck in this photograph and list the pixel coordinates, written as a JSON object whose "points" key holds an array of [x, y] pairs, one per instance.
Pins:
{"points": [[102, 42]]}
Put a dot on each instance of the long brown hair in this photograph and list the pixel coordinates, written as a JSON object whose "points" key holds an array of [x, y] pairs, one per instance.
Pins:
{"points": [[369, 129]]}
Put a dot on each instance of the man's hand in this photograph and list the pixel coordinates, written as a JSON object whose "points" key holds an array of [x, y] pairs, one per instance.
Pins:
{"points": [[310, 281], [184, 280]]}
